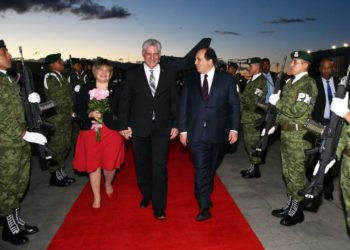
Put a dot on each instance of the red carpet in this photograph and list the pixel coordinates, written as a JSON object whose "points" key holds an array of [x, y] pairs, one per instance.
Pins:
{"points": [[121, 224]]}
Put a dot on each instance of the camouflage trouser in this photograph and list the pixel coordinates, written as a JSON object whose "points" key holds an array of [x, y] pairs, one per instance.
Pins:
{"points": [[60, 142], [345, 185], [14, 176], [293, 157], [251, 138]]}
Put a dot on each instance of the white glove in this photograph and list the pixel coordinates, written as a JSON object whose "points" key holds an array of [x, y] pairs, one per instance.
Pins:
{"points": [[327, 167], [34, 98], [34, 137], [237, 88], [340, 106], [77, 88], [271, 131], [274, 98]]}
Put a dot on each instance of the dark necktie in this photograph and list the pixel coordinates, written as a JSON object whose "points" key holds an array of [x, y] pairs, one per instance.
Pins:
{"points": [[205, 88], [152, 83], [329, 93]]}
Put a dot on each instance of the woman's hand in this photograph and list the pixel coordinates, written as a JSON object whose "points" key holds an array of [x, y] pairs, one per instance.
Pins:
{"points": [[95, 114]]}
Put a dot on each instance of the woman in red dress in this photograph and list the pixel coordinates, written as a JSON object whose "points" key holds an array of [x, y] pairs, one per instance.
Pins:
{"points": [[104, 156]]}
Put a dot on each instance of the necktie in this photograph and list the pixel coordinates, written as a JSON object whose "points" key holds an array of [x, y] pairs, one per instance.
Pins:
{"points": [[329, 93], [205, 88], [152, 83]]}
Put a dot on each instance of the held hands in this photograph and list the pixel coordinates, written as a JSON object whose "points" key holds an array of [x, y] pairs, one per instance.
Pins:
{"points": [[271, 131], [327, 167], [34, 98], [183, 139], [173, 133], [232, 137], [274, 98], [96, 115], [34, 137], [340, 106], [127, 133]]}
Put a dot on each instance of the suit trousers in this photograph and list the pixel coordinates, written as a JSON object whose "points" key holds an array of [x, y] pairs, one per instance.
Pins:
{"points": [[151, 155], [207, 158]]}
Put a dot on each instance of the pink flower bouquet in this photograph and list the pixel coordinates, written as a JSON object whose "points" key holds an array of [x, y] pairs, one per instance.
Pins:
{"points": [[98, 102]]}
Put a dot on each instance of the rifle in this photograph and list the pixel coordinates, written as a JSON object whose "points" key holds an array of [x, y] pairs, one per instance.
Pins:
{"points": [[33, 111], [271, 114], [327, 144]]}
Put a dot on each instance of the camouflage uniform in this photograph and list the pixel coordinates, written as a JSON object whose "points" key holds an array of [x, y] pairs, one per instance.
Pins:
{"points": [[57, 88], [14, 151], [255, 90], [344, 149], [294, 108]]}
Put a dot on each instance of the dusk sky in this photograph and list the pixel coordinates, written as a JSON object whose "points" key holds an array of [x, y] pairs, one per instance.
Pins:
{"points": [[116, 29]]}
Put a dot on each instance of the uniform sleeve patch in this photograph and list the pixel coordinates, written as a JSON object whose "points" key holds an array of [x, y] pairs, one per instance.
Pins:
{"points": [[302, 97], [258, 92]]}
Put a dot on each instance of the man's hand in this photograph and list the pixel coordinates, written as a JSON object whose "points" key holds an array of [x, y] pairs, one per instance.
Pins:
{"points": [[173, 133], [232, 137], [34, 98], [340, 106], [274, 98], [183, 139], [127, 133]]}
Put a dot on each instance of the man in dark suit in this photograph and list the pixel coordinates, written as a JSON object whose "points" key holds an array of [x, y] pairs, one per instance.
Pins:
{"points": [[148, 114], [327, 86], [209, 117], [270, 77]]}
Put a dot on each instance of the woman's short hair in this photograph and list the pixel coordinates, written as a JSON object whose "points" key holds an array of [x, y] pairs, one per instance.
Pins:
{"points": [[151, 42], [100, 63]]}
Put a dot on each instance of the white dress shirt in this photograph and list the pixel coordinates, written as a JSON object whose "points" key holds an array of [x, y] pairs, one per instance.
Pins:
{"points": [[210, 78], [156, 73], [327, 112], [298, 76]]}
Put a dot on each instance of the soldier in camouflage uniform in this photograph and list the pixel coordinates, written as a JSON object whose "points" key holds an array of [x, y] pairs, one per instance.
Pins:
{"points": [[295, 107], [57, 88], [340, 108], [254, 91], [14, 153]]}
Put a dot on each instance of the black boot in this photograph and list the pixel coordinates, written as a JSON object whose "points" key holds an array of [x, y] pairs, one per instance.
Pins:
{"points": [[12, 233], [295, 215], [284, 210], [65, 176], [27, 229], [253, 172], [58, 180], [245, 171]]}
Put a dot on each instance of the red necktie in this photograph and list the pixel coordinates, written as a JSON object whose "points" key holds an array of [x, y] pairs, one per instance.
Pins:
{"points": [[205, 88]]}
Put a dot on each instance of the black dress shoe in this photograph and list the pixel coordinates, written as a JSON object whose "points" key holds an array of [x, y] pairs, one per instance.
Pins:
{"points": [[54, 181], [203, 215], [280, 213], [328, 196], [253, 172], [144, 203], [159, 214], [27, 229]]}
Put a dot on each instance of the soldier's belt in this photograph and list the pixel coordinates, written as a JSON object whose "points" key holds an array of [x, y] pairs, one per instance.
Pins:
{"points": [[293, 127]]}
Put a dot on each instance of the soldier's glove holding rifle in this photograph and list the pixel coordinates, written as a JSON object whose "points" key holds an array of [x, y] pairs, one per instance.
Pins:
{"points": [[340, 106], [271, 131], [34, 98], [274, 98], [326, 169], [34, 137]]}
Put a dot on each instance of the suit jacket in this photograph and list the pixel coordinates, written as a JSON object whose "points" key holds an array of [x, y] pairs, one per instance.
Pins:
{"points": [[320, 104], [109, 118], [137, 103], [216, 116]]}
